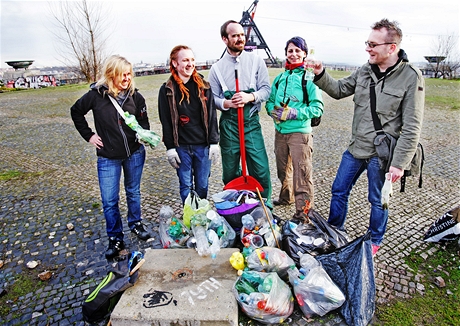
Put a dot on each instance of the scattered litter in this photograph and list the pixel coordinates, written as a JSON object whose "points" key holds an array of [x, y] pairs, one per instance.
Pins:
{"points": [[32, 264]]}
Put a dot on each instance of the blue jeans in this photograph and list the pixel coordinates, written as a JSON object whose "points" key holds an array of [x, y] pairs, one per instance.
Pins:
{"points": [[349, 171], [194, 170], [109, 175]]}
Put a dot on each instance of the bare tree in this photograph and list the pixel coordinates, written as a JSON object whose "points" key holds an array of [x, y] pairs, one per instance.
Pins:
{"points": [[446, 58], [80, 34]]}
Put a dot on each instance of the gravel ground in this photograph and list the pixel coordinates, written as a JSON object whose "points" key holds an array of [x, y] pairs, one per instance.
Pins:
{"points": [[38, 138]]}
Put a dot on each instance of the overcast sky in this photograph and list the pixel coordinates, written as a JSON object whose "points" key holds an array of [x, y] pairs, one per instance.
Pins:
{"points": [[147, 30]]}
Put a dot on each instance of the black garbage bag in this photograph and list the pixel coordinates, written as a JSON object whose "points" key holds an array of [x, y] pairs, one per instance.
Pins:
{"points": [[445, 228], [314, 238], [351, 267], [102, 300]]}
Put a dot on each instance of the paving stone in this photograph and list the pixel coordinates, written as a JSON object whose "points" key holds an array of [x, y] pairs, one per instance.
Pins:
{"points": [[65, 191]]}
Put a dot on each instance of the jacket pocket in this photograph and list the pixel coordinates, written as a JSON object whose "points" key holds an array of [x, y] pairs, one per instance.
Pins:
{"points": [[389, 101]]}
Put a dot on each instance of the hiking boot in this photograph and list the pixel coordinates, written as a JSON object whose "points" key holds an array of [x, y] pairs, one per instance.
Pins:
{"points": [[115, 246], [140, 231]]}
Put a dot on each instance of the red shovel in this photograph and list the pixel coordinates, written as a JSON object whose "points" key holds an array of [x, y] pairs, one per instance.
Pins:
{"points": [[245, 181]]}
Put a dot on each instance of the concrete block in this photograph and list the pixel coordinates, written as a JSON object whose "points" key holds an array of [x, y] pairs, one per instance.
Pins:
{"points": [[178, 287]]}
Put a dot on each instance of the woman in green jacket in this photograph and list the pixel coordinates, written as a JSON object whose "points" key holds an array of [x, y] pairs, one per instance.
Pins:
{"points": [[292, 107]]}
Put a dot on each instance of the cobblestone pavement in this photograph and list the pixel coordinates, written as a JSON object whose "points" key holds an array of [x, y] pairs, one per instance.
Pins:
{"points": [[61, 187]]}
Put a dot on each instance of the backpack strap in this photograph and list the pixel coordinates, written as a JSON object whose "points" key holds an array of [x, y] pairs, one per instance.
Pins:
{"points": [[306, 100], [118, 107], [408, 173], [252, 83], [221, 79]]}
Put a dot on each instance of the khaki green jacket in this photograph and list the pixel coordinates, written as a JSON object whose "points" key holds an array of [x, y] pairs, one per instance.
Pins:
{"points": [[400, 105]]}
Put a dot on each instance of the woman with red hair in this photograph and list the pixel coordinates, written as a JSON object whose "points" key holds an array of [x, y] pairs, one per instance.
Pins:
{"points": [[189, 123]]}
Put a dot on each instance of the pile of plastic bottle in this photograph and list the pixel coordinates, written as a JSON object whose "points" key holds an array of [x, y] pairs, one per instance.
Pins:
{"points": [[264, 296], [173, 233]]}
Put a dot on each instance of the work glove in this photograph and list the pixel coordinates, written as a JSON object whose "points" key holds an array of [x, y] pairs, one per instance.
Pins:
{"points": [[214, 153], [173, 158], [283, 113]]}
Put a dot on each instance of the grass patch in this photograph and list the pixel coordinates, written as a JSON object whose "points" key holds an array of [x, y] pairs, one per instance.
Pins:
{"points": [[437, 306], [14, 174], [24, 283]]}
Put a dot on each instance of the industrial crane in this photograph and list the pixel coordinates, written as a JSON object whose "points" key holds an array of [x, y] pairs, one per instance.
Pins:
{"points": [[254, 39]]}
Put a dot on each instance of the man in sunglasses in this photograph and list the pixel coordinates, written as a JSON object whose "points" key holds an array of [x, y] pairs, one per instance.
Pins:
{"points": [[399, 95]]}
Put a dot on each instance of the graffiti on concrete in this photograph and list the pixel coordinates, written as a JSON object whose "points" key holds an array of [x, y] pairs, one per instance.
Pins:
{"points": [[202, 290], [32, 82], [157, 299]]}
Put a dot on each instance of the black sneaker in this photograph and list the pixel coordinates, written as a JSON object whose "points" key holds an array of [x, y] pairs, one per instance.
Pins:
{"points": [[140, 231], [115, 246]]}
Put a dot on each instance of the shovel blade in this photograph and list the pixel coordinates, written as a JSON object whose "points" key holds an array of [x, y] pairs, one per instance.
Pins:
{"points": [[244, 183]]}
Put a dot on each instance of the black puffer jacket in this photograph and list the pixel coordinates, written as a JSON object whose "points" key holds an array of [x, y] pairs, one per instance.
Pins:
{"points": [[119, 140]]}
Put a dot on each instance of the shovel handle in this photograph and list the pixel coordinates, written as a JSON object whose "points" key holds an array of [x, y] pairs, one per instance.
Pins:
{"points": [[268, 218], [139, 264], [241, 129]]}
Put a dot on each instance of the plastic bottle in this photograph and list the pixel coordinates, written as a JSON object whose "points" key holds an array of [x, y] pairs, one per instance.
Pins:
{"points": [[166, 213], [308, 262], [131, 121], [202, 245], [175, 229], [310, 65], [243, 286], [191, 243], [253, 277], [215, 243], [267, 284], [248, 222]]}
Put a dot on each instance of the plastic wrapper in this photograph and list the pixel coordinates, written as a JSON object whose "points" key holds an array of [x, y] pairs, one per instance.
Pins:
{"points": [[316, 237], [351, 267], [194, 205], [269, 259], [387, 191], [314, 290], [173, 233], [264, 297]]}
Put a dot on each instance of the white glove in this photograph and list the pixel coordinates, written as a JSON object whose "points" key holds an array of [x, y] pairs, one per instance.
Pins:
{"points": [[173, 158], [214, 152]]}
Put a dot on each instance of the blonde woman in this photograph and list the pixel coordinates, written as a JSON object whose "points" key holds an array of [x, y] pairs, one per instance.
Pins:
{"points": [[117, 147]]}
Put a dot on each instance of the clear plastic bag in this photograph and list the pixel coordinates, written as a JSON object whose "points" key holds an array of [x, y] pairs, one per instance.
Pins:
{"points": [[256, 226], [173, 233], [222, 228], [314, 290], [264, 297], [270, 259]]}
